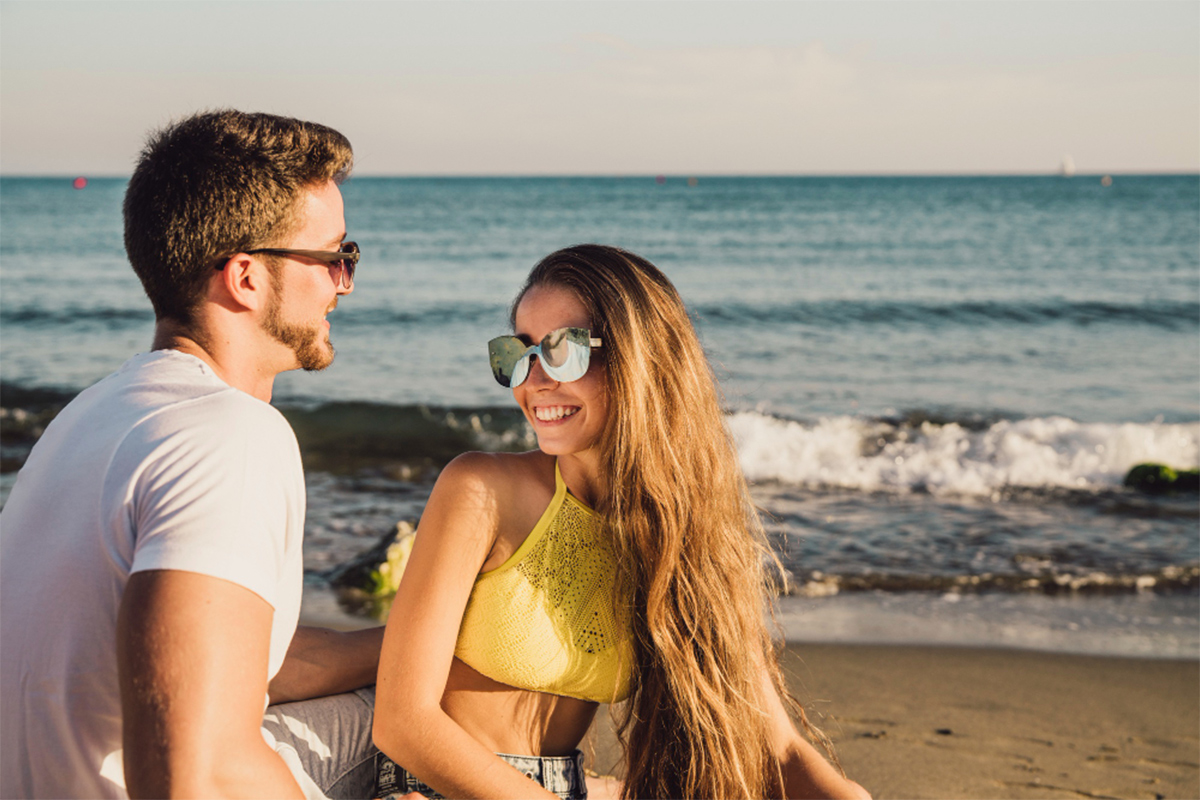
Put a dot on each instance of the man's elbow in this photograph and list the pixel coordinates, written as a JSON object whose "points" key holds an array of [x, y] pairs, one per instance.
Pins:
{"points": [[249, 768], [150, 777]]}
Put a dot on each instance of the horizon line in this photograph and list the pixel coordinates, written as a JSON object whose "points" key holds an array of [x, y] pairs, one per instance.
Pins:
{"points": [[675, 175]]}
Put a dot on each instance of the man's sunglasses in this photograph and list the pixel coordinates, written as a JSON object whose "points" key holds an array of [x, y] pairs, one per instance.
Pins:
{"points": [[345, 257], [564, 354]]}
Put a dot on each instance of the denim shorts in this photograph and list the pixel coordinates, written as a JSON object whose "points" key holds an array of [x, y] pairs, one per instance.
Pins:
{"points": [[562, 775]]}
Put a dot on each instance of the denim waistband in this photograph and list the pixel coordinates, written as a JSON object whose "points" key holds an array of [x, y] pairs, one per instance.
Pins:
{"points": [[562, 775]]}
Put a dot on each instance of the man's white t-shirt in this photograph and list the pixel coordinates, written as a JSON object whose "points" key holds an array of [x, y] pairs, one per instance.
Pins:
{"points": [[161, 465]]}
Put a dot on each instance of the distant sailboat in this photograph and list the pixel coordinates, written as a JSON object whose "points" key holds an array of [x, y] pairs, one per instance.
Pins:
{"points": [[1068, 166]]}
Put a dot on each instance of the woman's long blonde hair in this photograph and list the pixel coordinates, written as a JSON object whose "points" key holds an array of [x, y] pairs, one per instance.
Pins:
{"points": [[688, 539]]}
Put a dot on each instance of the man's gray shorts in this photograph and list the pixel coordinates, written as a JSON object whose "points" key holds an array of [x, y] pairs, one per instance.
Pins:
{"points": [[326, 743]]}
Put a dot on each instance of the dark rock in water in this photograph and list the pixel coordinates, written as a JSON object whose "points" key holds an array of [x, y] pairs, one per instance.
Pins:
{"points": [[1161, 479], [1187, 480], [362, 572], [367, 584], [356, 573], [1151, 478]]}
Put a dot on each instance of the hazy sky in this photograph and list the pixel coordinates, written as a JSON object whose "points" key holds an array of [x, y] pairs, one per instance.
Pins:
{"points": [[685, 87]]}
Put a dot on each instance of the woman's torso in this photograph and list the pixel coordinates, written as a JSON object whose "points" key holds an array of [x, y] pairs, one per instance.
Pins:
{"points": [[504, 718], [509, 720]]}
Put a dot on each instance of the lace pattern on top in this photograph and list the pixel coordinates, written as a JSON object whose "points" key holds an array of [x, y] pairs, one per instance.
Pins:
{"points": [[548, 619]]}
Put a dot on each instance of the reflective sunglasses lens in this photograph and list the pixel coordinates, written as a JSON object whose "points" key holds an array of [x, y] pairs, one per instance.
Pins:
{"points": [[521, 370], [556, 348], [504, 353], [566, 354]]}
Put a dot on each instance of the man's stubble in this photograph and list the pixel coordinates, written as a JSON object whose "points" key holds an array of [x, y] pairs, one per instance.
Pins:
{"points": [[310, 343]]}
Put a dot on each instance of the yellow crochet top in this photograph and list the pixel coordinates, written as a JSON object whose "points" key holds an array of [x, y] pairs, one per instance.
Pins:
{"points": [[546, 619]]}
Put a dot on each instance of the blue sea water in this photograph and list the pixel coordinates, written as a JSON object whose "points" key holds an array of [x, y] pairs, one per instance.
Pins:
{"points": [[936, 384]]}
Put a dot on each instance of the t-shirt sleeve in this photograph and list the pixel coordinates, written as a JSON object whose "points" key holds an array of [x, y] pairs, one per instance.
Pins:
{"points": [[220, 492]]}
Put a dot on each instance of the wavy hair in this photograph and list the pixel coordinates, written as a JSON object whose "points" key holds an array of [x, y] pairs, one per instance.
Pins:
{"points": [[689, 542]]}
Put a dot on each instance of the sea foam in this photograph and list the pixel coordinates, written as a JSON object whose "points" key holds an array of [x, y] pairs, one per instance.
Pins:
{"points": [[950, 458]]}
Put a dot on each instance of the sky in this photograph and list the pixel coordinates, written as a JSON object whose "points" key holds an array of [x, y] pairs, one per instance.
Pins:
{"points": [[691, 87]]}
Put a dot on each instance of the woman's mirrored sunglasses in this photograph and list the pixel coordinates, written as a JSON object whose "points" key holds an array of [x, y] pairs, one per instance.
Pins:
{"points": [[346, 257], [564, 355]]}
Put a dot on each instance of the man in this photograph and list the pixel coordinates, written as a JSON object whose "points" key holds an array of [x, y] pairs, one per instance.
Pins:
{"points": [[150, 549]]}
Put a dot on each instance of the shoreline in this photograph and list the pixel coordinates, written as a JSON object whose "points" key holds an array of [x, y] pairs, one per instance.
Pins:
{"points": [[1137, 625], [1142, 625]]}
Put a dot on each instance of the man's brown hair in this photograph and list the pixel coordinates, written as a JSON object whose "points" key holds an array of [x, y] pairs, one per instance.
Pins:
{"points": [[215, 184]]}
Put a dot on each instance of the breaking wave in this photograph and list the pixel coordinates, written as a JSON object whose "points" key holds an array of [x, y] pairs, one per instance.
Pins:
{"points": [[955, 457]]}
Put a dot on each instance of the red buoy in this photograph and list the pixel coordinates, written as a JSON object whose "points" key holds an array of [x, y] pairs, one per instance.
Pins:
{"points": [[79, 182]]}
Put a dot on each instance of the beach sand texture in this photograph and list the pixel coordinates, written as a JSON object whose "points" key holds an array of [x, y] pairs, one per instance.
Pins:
{"points": [[959, 722], [941, 722]]}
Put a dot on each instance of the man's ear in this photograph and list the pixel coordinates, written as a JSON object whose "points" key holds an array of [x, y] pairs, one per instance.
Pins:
{"points": [[244, 283]]}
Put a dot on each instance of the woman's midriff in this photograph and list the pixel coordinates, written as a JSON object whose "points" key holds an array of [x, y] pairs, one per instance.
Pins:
{"points": [[516, 721]]}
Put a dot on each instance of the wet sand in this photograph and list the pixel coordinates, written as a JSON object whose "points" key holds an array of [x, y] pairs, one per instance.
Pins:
{"points": [[944, 722]]}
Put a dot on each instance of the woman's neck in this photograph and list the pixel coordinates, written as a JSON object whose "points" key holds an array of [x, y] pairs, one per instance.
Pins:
{"points": [[583, 476]]}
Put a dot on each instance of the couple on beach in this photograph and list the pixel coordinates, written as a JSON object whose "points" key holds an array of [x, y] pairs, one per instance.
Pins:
{"points": [[151, 546]]}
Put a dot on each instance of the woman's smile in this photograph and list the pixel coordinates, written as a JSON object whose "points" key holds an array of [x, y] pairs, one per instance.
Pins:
{"points": [[549, 415], [568, 417]]}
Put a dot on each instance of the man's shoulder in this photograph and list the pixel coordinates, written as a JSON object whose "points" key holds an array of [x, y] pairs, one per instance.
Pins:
{"points": [[175, 386], [156, 392], [175, 400], [225, 415]]}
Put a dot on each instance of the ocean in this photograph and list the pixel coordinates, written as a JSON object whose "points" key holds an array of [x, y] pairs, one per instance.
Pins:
{"points": [[937, 384]]}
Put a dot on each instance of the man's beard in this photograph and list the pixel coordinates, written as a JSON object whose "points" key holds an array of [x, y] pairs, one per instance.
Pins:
{"points": [[309, 343]]}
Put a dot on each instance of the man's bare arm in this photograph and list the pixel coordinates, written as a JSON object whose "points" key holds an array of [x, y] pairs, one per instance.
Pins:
{"points": [[320, 662], [192, 654]]}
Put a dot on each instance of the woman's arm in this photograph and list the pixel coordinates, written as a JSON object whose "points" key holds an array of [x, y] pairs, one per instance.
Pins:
{"points": [[806, 774], [457, 531]]}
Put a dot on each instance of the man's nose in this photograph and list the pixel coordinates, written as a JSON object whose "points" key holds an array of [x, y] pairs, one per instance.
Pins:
{"points": [[341, 278]]}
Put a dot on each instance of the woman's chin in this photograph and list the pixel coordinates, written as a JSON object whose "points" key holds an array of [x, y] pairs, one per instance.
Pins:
{"points": [[554, 448], [561, 446]]}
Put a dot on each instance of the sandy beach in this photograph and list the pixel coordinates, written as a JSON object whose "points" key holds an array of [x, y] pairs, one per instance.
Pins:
{"points": [[959, 722], [946, 722]]}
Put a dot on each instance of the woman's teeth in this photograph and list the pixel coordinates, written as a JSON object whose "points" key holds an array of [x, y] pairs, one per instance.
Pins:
{"points": [[551, 413]]}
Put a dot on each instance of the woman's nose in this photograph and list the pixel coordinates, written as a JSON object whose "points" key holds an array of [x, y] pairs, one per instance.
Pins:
{"points": [[537, 375]]}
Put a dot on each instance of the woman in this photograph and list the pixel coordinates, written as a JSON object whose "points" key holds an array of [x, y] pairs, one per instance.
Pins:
{"points": [[622, 560]]}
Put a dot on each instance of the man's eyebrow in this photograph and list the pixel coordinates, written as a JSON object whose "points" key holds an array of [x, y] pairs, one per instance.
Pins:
{"points": [[337, 241]]}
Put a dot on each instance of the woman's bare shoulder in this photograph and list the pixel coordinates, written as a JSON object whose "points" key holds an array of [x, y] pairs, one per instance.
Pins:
{"points": [[501, 478], [502, 493]]}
